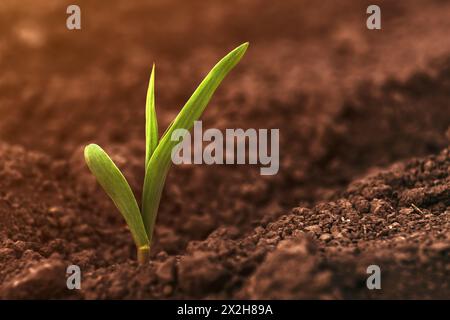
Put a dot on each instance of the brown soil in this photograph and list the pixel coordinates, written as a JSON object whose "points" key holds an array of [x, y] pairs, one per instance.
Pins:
{"points": [[363, 118]]}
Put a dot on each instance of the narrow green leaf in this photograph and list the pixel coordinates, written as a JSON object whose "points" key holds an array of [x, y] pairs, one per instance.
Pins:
{"points": [[118, 189], [160, 161], [151, 122]]}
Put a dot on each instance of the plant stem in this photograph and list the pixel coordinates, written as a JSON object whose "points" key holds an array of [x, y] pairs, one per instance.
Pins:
{"points": [[143, 254]]}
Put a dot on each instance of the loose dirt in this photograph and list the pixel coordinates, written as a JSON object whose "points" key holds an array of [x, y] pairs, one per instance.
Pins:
{"points": [[364, 129]]}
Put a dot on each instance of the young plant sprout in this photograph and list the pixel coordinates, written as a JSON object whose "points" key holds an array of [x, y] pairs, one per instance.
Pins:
{"points": [[157, 156]]}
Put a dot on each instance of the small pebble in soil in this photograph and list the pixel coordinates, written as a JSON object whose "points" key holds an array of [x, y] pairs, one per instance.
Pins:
{"points": [[166, 270]]}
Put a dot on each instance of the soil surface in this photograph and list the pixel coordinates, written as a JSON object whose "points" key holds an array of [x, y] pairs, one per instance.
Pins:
{"points": [[364, 179]]}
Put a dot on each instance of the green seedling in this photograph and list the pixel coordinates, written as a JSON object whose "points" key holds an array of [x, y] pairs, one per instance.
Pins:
{"points": [[157, 156]]}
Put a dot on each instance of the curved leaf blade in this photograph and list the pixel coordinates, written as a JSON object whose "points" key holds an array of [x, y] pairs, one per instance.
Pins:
{"points": [[159, 164], [118, 189]]}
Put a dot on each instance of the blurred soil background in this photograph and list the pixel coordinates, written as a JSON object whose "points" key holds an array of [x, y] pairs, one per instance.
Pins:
{"points": [[364, 122]]}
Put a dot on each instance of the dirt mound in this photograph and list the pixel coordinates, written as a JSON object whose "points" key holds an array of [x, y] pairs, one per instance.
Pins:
{"points": [[42, 218], [321, 252]]}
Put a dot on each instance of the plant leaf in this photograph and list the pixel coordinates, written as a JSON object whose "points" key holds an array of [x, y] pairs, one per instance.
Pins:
{"points": [[118, 189], [160, 161], [151, 122]]}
